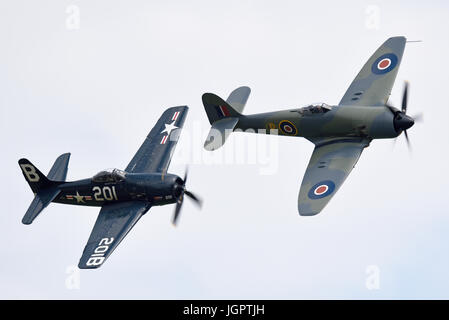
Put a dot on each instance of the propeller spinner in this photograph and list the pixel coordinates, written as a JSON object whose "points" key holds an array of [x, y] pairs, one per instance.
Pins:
{"points": [[401, 120], [180, 191]]}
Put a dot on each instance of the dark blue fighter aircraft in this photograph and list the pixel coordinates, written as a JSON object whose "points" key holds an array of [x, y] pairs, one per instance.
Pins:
{"points": [[124, 196]]}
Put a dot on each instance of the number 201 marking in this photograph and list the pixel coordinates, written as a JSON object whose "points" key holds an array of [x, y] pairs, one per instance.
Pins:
{"points": [[108, 193]]}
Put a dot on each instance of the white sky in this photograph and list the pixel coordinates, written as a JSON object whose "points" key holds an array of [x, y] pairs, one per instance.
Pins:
{"points": [[97, 91]]}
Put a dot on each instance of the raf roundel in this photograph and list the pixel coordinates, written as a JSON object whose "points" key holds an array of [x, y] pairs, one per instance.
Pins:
{"points": [[384, 64], [288, 128], [321, 189]]}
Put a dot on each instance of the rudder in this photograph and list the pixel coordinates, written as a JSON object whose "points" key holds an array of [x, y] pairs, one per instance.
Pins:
{"points": [[36, 179], [44, 187], [217, 109]]}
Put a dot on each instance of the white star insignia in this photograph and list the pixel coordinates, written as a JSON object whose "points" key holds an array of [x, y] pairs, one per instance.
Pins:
{"points": [[169, 128], [79, 199]]}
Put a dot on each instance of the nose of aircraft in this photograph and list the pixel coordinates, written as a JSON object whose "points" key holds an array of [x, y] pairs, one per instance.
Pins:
{"points": [[403, 122]]}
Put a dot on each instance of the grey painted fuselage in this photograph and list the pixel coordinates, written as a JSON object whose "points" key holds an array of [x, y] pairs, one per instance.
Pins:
{"points": [[340, 121]]}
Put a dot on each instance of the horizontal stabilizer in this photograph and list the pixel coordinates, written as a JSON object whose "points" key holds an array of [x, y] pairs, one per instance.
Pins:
{"points": [[219, 132], [40, 201], [238, 98]]}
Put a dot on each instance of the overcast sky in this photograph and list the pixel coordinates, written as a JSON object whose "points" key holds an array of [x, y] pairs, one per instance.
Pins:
{"points": [[93, 77]]}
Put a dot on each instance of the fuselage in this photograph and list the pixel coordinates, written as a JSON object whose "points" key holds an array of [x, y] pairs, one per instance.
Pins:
{"points": [[339, 121], [158, 189]]}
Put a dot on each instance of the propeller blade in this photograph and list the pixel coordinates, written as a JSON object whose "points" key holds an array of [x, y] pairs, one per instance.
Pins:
{"points": [[408, 140], [418, 117], [183, 192], [405, 98], [195, 198], [185, 175], [394, 141], [178, 209]]}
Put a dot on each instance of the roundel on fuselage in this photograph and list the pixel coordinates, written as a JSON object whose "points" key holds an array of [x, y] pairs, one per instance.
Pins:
{"points": [[288, 128]]}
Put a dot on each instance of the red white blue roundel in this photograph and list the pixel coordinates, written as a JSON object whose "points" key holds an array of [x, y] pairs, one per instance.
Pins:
{"points": [[321, 189], [288, 128], [384, 63]]}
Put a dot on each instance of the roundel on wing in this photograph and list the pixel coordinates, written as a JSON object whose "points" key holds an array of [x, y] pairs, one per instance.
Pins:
{"points": [[384, 64], [321, 189], [288, 128]]}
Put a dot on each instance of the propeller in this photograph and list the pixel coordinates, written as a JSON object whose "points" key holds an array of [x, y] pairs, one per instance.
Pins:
{"points": [[180, 191], [401, 120], [405, 98]]}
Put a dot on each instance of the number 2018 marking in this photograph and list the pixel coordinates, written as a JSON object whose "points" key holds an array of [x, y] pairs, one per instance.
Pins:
{"points": [[107, 193]]}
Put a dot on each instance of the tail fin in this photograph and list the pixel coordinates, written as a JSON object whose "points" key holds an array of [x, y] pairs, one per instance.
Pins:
{"points": [[44, 188], [217, 109], [223, 115], [36, 179]]}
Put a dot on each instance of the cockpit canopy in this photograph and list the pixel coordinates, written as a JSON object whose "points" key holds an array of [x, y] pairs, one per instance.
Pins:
{"points": [[109, 175], [315, 108]]}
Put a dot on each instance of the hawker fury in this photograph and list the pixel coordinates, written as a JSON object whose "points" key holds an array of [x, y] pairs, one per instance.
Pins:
{"points": [[339, 132]]}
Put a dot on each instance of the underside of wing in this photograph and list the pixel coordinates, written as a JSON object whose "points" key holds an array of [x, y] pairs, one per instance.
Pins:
{"points": [[331, 162], [373, 84], [113, 224], [156, 151]]}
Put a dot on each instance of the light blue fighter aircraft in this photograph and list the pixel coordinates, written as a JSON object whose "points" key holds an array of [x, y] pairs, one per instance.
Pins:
{"points": [[339, 132]]}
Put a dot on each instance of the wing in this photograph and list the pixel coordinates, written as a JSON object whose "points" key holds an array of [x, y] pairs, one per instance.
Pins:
{"points": [[113, 224], [373, 84], [330, 164], [156, 151]]}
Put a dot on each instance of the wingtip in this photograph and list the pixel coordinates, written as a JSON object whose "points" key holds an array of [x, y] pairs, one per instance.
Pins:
{"points": [[244, 88], [398, 37], [64, 155], [395, 40], [83, 266], [308, 214], [185, 107]]}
